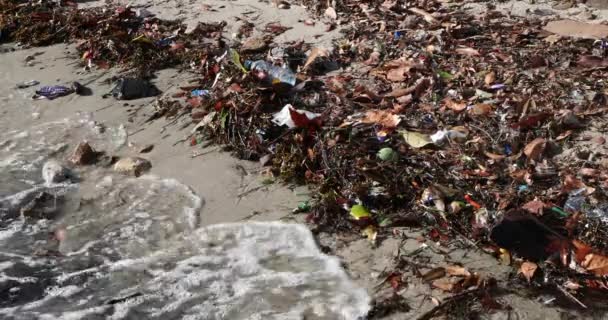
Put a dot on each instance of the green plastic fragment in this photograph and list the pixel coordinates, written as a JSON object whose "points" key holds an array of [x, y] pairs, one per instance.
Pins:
{"points": [[304, 206], [358, 211], [445, 75], [236, 59], [388, 154], [560, 211]]}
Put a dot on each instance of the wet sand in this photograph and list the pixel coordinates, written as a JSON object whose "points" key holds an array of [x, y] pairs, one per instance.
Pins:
{"points": [[218, 177]]}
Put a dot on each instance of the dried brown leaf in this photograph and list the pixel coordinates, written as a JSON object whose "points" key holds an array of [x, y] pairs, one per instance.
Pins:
{"points": [[592, 62], [589, 172], [494, 156], [467, 51], [528, 269], [381, 117], [481, 109], [455, 105], [427, 16], [457, 271], [397, 74], [444, 284], [571, 183], [397, 70], [534, 150], [581, 250], [596, 264], [490, 78], [564, 135], [434, 274], [315, 53], [534, 206]]}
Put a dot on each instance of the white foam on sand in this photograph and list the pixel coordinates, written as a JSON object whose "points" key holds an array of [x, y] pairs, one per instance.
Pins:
{"points": [[229, 271], [135, 248]]}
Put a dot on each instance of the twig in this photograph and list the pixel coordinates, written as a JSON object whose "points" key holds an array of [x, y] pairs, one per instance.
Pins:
{"points": [[244, 193], [484, 131], [103, 108], [455, 298], [198, 154], [570, 296]]}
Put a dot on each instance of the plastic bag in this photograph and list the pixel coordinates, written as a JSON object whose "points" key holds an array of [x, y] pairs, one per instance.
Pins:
{"points": [[132, 88]]}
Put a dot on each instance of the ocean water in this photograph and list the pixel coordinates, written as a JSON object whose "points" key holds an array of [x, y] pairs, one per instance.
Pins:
{"points": [[106, 246]]}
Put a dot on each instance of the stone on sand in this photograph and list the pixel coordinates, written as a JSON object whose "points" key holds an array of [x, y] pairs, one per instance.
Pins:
{"points": [[54, 172], [134, 166], [83, 154]]}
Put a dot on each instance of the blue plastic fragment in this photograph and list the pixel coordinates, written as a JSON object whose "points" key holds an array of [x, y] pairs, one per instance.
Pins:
{"points": [[199, 93]]}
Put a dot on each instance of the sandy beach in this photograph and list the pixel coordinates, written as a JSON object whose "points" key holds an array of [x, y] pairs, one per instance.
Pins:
{"points": [[235, 190]]}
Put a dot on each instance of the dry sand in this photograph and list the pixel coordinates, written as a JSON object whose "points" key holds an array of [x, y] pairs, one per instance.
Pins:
{"points": [[218, 177], [257, 12]]}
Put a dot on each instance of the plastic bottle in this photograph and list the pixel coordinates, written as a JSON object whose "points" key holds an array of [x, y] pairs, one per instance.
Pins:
{"points": [[275, 74], [118, 136], [577, 202]]}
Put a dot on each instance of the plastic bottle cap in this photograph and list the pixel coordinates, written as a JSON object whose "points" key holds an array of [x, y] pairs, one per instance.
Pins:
{"points": [[247, 64]]}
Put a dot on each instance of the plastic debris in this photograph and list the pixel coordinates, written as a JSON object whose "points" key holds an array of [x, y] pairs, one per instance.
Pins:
{"points": [[52, 92], [270, 73], [27, 84], [292, 118], [359, 212], [200, 93], [448, 135], [118, 136], [132, 88], [388, 154]]}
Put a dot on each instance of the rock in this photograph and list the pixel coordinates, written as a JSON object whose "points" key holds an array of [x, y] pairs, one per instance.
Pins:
{"points": [[146, 148], [54, 172], [576, 29], [42, 206], [132, 166], [254, 45], [83, 154], [571, 121], [106, 161]]}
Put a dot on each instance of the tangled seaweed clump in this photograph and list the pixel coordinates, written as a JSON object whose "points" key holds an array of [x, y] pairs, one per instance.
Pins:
{"points": [[422, 114], [108, 37]]}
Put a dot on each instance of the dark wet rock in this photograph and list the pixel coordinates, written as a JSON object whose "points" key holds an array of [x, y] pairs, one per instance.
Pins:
{"points": [[84, 154], [146, 148], [15, 293], [42, 206]]}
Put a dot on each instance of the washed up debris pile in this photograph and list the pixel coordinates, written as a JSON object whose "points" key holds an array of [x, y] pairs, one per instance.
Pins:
{"points": [[486, 127]]}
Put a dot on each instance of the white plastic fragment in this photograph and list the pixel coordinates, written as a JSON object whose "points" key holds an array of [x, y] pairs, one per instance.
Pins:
{"points": [[283, 117]]}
